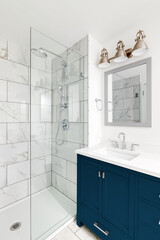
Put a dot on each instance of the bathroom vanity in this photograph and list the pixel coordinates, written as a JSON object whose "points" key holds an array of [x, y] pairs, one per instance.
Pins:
{"points": [[118, 198]]}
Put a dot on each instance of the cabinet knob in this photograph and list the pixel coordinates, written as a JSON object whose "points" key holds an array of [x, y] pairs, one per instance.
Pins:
{"points": [[99, 174], [103, 175]]}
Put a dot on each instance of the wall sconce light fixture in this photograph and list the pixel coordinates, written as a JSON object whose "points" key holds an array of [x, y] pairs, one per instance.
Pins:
{"points": [[122, 55]]}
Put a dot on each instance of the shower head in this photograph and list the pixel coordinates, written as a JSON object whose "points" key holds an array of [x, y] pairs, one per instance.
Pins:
{"points": [[39, 52]]}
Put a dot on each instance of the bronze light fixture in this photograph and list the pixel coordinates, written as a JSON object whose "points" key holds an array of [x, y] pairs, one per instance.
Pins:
{"points": [[122, 55]]}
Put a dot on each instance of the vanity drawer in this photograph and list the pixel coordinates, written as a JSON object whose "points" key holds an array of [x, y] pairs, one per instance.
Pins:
{"points": [[149, 190], [146, 233], [150, 215], [101, 228]]}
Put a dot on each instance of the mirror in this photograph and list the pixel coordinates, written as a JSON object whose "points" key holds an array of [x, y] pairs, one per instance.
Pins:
{"points": [[128, 95]]}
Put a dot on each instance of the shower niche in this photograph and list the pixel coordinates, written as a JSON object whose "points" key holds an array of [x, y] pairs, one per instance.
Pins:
{"points": [[58, 83]]}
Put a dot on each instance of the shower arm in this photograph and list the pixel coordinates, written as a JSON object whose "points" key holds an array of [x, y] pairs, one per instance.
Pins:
{"points": [[43, 49]]}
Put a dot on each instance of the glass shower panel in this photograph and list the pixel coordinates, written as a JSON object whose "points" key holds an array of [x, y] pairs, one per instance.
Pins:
{"points": [[57, 129]]}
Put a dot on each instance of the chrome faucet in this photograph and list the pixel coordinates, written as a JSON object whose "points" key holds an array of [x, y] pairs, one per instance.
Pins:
{"points": [[123, 139]]}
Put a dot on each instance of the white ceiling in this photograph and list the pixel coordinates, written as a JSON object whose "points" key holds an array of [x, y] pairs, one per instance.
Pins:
{"points": [[68, 21]]}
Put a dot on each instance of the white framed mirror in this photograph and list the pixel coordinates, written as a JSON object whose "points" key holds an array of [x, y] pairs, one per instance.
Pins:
{"points": [[128, 95]]}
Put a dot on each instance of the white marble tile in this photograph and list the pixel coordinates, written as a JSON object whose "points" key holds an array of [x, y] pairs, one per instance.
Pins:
{"points": [[14, 72], [12, 153], [75, 133], [38, 166], [3, 90], [66, 187], [75, 111], [38, 95], [18, 53], [2, 133], [131, 103], [40, 148], [48, 130], [66, 234], [59, 166], [85, 234], [13, 193], [84, 111], [18, 172], [18, 132], [40, 78], [66, 151], [13, 112], [38, 131], [74, 227], [46, 113], [40, 113], [54, 114], [56, 97], [3, 48], [40, 182], [18, 93], [118, 104], [35, 113], [73, 72], [85, 70], [61, 134], [117, 84], [2, 176], [85, 133], [48, 163], [81, 47], [72, 172]]}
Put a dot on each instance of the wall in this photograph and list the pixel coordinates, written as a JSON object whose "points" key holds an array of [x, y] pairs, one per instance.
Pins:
{"points": [[15, 126], [74, 81], [148, 138]]}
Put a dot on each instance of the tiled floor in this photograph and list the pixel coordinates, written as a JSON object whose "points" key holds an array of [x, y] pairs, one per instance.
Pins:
{"points": [[73, 232]]}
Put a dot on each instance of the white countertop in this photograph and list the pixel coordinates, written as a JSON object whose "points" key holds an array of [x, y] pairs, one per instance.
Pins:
{"points": [[147, 163]]}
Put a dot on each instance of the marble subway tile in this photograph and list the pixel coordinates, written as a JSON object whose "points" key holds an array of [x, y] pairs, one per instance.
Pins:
{"points": [[118, 104], [48, 163], [40, 148], [18, 172], [18, 93], [73, 72], [2, 133], [2, 176], [66, 187], [3, 90], [72, 172], [75, 111], [18, 132], [13, 193], [18, 53], [40, 78], [38, 166], [131, 103], [84, 111], [66, 234], [119, 94], [59, 166], [12, 153], [48, 133], [13, 112], [14, 72], [75, 133], [38, 131], [40, 182], [38, 95], [81, 47], [3, 48], [117, 84]]}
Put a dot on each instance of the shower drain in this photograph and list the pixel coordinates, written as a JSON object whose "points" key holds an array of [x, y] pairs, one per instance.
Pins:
{"points": [[15, 226]]}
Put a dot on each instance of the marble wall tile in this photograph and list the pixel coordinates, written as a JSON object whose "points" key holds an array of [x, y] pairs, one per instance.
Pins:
{"points": [[131, 103], [18, 53], [40, 182], [40, 113], [119, 94], [38, 95], [66, 187], [18, 132], [2, 133], [85, 134], [12, 153], [40, 148], [38, 166], [73, 72], [45, 113], [40, 78], [118, 115], [81, 47], [60, 135], [3, 48], [35, 113], [75, 133], [18, 93], [18, 172], [59, 166], [14, 112], [72, 172], [38, 131], [48, 163], [2, 176], [14, 72], [48, 133], [75, 111], [3, 90], [13, 193], [118, 104], [84, 111], [136, 115]]}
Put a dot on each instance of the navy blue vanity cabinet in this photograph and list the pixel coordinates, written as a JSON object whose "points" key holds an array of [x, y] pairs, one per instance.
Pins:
{"points": [[118, 198], [117, 203]]}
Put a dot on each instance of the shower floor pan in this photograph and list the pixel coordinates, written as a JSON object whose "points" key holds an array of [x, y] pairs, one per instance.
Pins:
{"points": [[50, 211]]}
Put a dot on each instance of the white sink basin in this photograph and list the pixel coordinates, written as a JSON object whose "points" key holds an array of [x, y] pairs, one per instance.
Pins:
{"points": [[116, 154]]}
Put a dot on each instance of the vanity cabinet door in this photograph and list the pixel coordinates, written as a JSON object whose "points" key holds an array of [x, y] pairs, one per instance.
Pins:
{"points": [[118, 198], [89, 183]]}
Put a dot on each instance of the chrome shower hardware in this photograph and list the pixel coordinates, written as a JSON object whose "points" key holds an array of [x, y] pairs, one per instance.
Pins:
{"points": [[65, 124]]}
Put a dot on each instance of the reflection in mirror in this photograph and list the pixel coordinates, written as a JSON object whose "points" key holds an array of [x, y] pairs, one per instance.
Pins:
{"points": [[127, 91]]}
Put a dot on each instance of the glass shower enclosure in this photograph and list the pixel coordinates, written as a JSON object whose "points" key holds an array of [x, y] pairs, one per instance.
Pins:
{"points": [[57, 129]]}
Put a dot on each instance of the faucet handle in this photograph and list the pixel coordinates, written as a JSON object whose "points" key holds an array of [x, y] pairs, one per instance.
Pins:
{"points": [[115, 144], [133, 145]]}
